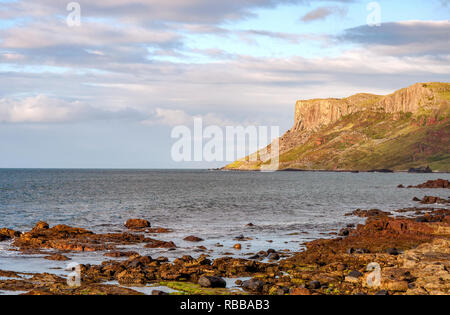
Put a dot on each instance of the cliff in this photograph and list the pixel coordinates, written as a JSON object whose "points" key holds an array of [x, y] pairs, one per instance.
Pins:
{"points": [[409, 128]]}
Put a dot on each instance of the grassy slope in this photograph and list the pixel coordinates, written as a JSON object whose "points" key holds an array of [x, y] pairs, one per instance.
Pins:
{"points": [[373, 140]]}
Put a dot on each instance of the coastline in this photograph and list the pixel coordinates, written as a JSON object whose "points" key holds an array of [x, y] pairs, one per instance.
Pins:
{"points": [[399, 242]]}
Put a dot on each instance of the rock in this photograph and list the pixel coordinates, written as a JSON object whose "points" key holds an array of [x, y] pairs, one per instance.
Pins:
{"points": [[382, 292], [400, 186], [134, 224], [428, 200], [152, 243], [422, 170], [237, 246], [314, 285], [399, 286], [134, 277], [121, 254], [368, 213], [6, 234], [57, 257], [193, 238], [162, 259], [299, 291], [158, 292], [283, 291], [253, 285], [344, 232], [357, 251], [212, 282], [41, 225], [438, 183], [274, 256], [354, 276], [416, 199], [250, 225], [392, 251]]}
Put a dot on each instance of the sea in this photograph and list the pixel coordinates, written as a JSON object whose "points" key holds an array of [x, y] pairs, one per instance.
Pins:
{"points": [[286, 209]]}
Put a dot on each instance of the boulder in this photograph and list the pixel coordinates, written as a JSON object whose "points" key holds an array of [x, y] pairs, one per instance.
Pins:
{"points": [[193, 238], [212, 282], [134, 224], [253, 285]]}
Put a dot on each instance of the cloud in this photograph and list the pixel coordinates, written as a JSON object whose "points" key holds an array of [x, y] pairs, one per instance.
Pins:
{"points": [[156, 11], [403, 38], [323, 12], [176, 117], [44, 109]]}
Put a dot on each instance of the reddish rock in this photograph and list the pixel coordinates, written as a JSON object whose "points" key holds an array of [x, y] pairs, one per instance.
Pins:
{"points": [[369, 213], [57, 257], [134, 224], [428, 200], [151, 243], [121, 254], [8, 233], [439, 183], [193, 238], [41, 225], [237, 246]]}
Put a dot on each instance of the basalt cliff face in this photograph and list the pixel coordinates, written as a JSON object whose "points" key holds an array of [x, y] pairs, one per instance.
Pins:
{"points": [[409, 128]]}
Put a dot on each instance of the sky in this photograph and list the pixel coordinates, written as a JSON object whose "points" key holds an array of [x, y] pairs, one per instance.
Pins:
{"points": [[107, 92]]}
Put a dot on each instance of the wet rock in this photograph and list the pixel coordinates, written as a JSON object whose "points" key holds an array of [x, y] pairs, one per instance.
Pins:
{"points": [[358, 251], [274, 256], [314, 285], [41, 225], [428, 200], [237, 246], [253, 285], [212, 282], [132, 277], [250, 225], [345, 232], [400, 186], [369, 213], [8, 233], [57, 257], [283, 291], [439, 183], [393, 251], [152, 243], [134, 224], [193, 238], [121, 254]]}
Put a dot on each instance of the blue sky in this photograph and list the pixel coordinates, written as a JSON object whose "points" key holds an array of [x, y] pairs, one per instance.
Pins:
{"points": [[107, 93]]}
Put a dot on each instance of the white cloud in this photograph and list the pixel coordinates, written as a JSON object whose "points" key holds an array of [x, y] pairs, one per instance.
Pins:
{"points": [[44, 109]]}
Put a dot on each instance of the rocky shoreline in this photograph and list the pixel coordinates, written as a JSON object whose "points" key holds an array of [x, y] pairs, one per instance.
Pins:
{"points": [[406, 251]]}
